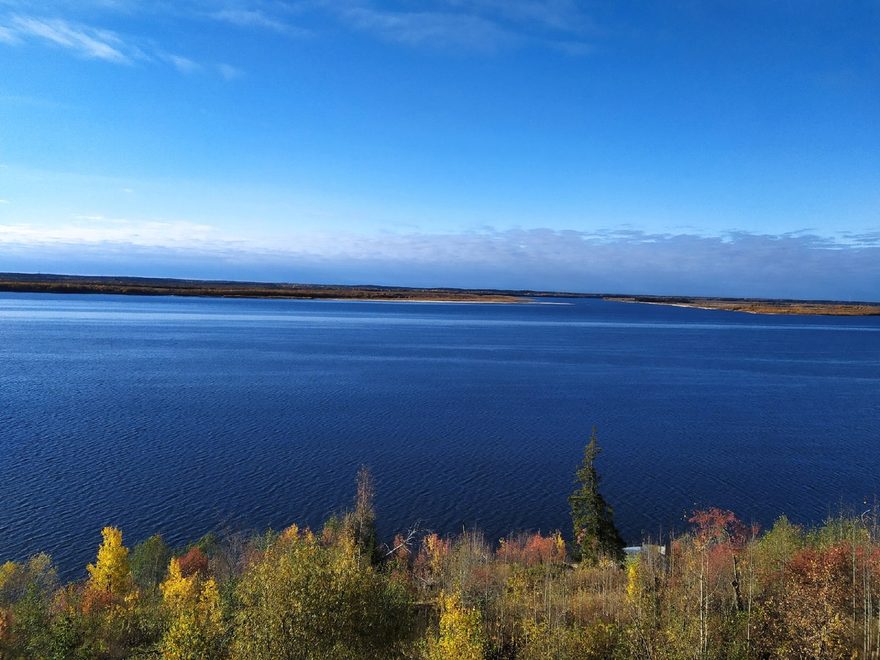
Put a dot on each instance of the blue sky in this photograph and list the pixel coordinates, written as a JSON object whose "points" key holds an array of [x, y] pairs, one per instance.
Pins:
{"points": [[718, 148]]}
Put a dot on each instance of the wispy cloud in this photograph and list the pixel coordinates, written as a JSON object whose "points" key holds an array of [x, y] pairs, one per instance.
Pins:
{"points": [[257, 18], [432, 29], [99, 44], [7, 36], [476, 25], [866, 238], [453, 25], [182, 64], [85, 41]]}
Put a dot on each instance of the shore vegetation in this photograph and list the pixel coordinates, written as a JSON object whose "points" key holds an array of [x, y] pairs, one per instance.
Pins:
{"points": [[720, 589]]}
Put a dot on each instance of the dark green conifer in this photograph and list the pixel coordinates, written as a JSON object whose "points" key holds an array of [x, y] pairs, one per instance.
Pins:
{"points": [[594, 532]]}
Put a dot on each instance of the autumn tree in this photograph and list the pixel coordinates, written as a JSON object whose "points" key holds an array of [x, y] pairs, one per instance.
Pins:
{"points": [[461, 633], [113, 617], [314, 598], [594, 530], [193, 561], [196, 628], [719, 539], [111, 573]]}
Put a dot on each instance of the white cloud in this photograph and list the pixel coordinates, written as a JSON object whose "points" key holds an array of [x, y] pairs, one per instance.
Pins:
{"points": [[475, 25], [7, 36], [183, 64], [618, 260], [452, 25], [4, 201], [95, 43], [256, 18], [432, 29], [88, 42]]}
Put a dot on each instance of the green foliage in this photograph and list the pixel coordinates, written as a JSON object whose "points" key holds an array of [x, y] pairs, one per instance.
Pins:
{"points": [[36, 575], [305, 599], [597, 641], [837, 529], [775, 549], [593, 519], [25, 596], [149, 561], [209, 544]]}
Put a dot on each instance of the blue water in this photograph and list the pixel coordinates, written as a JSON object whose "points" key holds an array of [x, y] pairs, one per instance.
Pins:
{"points": [[182, 416]]}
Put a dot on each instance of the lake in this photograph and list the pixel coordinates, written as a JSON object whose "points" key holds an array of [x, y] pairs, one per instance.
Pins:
{"points": [[182, 416]]}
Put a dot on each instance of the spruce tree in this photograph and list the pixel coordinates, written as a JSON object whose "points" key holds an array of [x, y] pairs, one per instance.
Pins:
{"points": [[594, 531]]}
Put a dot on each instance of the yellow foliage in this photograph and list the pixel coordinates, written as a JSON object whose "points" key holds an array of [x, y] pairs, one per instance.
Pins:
{"points": [[559, 542], [535, 636], [196, 627], [308, 599], [461, 631], [436, 549], [632, 581], [7, 570], [8, 573], [177, 591], [209, 602], [291, 533], [111, 573]]}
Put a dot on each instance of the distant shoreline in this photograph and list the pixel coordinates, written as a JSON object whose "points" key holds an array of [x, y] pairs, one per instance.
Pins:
{"points": [[764, 307], [136, 286], [146, 286]]}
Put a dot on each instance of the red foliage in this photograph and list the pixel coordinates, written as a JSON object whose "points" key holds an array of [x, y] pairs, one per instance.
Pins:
{"points": [[718, 526], [823, 569], [530, 550], [194, 561], [873, 560], [482, 578], [403, 550], [432, 554], [96, 600], [810, 617]]}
